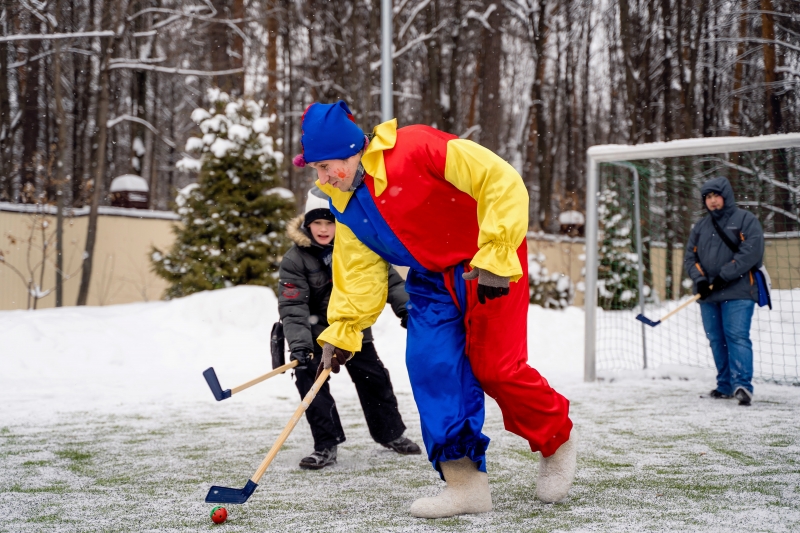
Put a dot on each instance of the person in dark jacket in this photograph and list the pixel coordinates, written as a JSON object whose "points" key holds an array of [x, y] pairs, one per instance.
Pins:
{"points": [[305, 288], [726, 284]]}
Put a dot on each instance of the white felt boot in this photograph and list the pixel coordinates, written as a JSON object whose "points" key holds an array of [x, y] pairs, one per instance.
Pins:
{"points": [[467, 492], [557, 472]]}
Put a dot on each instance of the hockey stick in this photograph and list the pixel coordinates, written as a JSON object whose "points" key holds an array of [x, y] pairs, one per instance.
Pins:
{"points": [[640, 317], [228, 495], [219, 394]]}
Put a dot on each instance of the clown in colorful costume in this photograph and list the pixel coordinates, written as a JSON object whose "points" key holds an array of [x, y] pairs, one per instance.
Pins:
{"points": [[443, 207]]}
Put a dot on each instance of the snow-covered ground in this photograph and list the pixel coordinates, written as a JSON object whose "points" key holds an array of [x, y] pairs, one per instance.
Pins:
{"points": [[107, 425]]}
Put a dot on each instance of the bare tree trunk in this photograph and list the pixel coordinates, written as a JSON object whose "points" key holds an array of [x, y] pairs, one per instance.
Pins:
{"points": [[688, 51], [570, 197], [287, 77], [631, 89], [738, 70], [770, 64], [535, 144], [451, 113], [666, 72], [152, 150], [783, 199], [433, 112], [491, 108], [584, 134], [272, 56], [6, 135], [31, 155], [108, 45], [666, 81], [237, 47], [61, 121], [648, 99], [711, 79], [219, 43]]}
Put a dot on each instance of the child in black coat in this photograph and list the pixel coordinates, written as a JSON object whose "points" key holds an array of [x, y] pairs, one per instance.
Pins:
{"points": [[305, 288]]}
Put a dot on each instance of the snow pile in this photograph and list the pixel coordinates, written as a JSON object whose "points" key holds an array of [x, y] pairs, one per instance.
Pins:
{"points": [[146, 355]]}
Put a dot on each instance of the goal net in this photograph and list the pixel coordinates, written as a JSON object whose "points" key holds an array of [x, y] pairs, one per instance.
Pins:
{"points": [[647, 197]]}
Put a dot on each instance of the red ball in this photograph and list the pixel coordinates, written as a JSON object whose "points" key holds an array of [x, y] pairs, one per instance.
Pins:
{"points": [[219, 514]]}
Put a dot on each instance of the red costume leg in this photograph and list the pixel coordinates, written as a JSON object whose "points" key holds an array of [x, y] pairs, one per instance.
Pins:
{"points": [[497, 334]]}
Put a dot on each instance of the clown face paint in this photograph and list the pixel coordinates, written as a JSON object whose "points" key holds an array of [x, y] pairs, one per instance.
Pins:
{"points": [[338, 172]]}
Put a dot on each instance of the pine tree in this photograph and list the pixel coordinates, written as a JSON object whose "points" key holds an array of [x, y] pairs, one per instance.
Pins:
{"points": [[617, 282], [551, 291], [233, 218]]}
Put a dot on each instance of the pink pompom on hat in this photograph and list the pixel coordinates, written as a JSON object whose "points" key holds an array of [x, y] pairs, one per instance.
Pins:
{"points": [[299, 161]]}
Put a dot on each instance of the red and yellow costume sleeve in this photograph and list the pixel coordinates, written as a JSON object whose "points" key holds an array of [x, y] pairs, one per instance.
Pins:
{"points": [[502, 204], [360, 289]]}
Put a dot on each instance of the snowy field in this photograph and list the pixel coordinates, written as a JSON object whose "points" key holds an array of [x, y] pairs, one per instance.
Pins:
{"points": [[107, 425]]}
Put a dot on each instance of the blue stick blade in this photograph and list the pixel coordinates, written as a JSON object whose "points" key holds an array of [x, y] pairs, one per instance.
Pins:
{"points": [[228, 495], [641, 318], [213, 384]]}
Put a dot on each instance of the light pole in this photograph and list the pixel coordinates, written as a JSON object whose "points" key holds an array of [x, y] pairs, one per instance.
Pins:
{"points": [[387, 111]]}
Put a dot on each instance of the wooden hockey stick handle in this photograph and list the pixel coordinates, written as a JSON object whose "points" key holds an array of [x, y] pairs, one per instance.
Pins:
{"points": [[684, 304], [292, 423], [279, 370]]}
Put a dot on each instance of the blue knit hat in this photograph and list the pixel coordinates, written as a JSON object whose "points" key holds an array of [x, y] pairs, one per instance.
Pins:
{"points": [[329, 132]]}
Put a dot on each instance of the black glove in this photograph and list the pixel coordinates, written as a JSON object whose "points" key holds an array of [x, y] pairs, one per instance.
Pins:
{"points": [[404, 320], [703, 289], [490, 285], [302, 356], [718, 284], [333, 358]]}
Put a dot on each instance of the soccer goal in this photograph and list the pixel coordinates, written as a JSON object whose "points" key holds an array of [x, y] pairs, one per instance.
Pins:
{"points": [[642, 201]]}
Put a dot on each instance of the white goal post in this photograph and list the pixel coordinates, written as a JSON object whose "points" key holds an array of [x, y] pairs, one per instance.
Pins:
{"points": [[622, 153]]}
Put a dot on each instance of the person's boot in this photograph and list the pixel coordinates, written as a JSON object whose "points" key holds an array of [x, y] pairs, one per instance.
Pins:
{"points": [[467, 492], [743, 395], [403, 446], [319, 459], [717, 395], [557, 472]]}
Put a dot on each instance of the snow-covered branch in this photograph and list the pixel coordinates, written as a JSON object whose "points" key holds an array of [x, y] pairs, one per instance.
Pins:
{"points": [[483, 19], [135, 65], [52, 36], [771, 208], [756, 40], [47, 18], [397, 9], [130, 118], [375, 65], [177, 15], [144, 61], [788, 70], [414, 12]]}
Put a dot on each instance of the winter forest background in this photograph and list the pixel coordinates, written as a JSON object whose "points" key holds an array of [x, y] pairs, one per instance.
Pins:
{"points": [[538, 81]]}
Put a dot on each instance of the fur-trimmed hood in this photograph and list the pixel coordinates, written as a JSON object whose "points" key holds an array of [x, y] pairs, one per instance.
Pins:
{"points": [[298, 234]]}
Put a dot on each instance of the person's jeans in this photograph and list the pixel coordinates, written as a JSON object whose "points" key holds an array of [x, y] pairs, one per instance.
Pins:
{"points": [[727, 326]]}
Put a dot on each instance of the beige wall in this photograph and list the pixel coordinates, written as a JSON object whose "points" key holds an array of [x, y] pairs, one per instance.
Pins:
{"points": [[121, 271], [782, 259], [122, 274]]}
